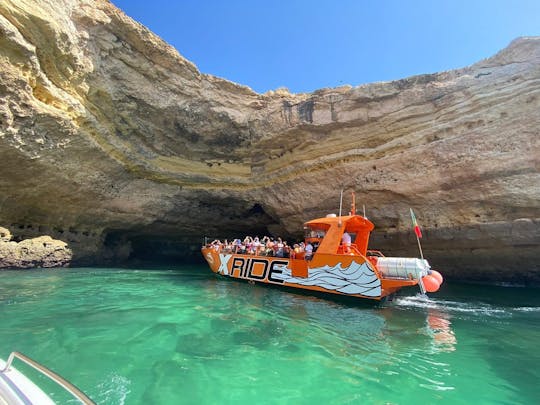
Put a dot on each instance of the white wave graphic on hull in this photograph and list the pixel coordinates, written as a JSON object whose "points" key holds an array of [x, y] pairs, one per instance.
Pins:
{"points": [[354, 279]]}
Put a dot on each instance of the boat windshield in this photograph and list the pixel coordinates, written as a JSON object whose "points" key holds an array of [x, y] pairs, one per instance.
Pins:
{"points": [[310, 233]]}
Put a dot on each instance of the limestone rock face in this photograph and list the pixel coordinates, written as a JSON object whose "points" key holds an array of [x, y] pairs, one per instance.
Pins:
{"points": [[42, 251], [112, 141], [5, 235]]}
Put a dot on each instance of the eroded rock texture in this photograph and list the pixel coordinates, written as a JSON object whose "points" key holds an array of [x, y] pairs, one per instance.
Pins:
{"points": [[112, 141], [42, 251]]}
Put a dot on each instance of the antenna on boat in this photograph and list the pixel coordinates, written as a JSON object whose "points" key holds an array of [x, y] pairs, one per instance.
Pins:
{"points": [[364, 209], [353, 204], [340, 204]]}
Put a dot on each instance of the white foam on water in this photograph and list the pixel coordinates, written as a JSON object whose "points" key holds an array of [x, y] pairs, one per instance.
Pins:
{"points": [[114, 389], [527, 309], [418, 301], [474, 308]]}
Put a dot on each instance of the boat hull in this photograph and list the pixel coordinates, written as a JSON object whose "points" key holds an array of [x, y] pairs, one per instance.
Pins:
{"points": [[343, 275], [16, 388]]}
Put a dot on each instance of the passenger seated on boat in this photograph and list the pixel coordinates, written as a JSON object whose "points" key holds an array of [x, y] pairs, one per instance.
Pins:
{"points": [[233, 246], [346, 242], [263, 251], [295, 250], [256, 246], [270, 247], [248, 242], [241, 248], [309, 251], [216, 245], [227, 247], [286, 250], [278, 248]]}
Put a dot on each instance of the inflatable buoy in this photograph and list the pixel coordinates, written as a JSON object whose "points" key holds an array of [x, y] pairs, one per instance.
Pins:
{"points": [[438, 276], [430, 283]]}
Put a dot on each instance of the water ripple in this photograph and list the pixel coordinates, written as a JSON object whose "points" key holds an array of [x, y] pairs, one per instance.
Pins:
{"points": [[164, 337]]}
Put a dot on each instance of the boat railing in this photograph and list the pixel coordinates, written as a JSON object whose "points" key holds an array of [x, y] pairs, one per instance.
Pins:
{"points": [[374, 253], [74, 391]]}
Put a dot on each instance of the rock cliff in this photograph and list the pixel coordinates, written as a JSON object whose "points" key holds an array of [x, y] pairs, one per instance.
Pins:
{"points": [[112, 141]]}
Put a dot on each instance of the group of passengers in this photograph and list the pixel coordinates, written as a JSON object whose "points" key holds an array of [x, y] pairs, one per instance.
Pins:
{"points": [[267, 246]]}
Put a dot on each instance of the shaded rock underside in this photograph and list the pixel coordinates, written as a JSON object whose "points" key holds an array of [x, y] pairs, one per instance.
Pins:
{"points": [[113, 142]]}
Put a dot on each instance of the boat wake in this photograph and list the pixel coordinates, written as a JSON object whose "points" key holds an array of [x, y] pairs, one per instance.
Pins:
{"points": [[527, 309], [456, 307], [354, 279]]}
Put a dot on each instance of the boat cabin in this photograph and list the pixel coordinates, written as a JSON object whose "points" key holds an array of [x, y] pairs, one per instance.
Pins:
{"points": [[328, 233]]}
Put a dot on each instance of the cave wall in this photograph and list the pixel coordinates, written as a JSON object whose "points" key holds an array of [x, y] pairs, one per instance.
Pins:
{"points": [[110, 140]]}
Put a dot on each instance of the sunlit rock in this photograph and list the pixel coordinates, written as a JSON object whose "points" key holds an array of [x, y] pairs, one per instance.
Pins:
{"points": [[112, 141], [42, 251]]}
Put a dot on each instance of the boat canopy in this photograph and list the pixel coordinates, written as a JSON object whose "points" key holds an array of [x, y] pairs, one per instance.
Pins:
{"points": [[334, 228]]}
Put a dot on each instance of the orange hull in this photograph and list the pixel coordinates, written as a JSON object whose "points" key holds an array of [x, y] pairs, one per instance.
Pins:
{"points": [[346, 275]]}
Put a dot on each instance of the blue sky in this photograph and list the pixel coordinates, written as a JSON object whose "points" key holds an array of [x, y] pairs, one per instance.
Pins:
{"points": [[307, 45]]}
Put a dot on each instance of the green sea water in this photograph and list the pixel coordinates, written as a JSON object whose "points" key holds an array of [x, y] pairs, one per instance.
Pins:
{"points": [[186, 336]]}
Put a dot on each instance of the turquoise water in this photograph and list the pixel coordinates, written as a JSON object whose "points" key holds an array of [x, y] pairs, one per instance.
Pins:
{"points": [[187, 336]]}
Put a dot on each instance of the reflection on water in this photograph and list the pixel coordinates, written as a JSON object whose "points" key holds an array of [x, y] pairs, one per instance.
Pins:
{"points": [[439, 323], [343, 320], [438, 316], [398, 339]]}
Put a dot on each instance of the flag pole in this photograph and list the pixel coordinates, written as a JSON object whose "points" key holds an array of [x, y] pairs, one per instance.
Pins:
{"points": [[420, 247], [340, 204], [417, 232]]}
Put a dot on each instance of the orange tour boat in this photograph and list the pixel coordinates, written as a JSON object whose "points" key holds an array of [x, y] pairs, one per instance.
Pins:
{"points": [[334, 260]]}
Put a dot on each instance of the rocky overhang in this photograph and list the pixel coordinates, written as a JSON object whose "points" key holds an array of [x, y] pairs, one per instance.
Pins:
{"points": [[111, 141]]}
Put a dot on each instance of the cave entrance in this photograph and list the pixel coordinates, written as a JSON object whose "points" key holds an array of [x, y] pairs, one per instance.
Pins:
{"points": [[128, 247], [167, 242]]}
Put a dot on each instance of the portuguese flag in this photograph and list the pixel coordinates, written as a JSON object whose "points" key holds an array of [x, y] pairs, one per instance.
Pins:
{"points": [[417, 230]]}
